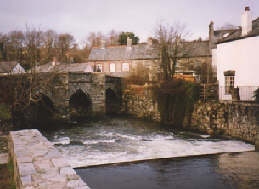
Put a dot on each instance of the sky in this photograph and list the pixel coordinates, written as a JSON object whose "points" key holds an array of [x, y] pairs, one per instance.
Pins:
{"points": [[80, 17]]}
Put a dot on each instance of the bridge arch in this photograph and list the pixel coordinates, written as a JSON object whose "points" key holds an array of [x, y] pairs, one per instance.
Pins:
{"points": [[80, 105], [40, 112], [112, 102]]}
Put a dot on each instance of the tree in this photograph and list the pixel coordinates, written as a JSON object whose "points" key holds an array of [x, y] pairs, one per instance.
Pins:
{"points": [[171, 46], [124, 35], [64, 44], [113, 38]]}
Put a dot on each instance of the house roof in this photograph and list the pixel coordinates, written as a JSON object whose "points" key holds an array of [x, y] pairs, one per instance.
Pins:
{"points": [[196, 49], [62, 67], [237, 34], [122, 52], [6, 67], [145, 51]]}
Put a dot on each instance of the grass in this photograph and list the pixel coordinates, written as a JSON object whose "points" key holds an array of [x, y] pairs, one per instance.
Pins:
{"points": [[6, 176]]}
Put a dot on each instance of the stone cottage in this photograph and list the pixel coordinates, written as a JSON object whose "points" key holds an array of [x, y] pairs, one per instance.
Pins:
{"points": [[121, 60]]}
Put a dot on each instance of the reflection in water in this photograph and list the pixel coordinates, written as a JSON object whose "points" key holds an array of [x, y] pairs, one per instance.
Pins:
{"points": [[242, 168], [180, 173], [224, 171]]}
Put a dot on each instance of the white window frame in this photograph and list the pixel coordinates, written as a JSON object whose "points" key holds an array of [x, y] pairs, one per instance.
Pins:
{"points": [[112, 67], [99, 66], [123, 67]]}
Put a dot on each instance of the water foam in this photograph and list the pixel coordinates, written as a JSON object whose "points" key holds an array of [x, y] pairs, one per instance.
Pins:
{"points": [[159, 147]]}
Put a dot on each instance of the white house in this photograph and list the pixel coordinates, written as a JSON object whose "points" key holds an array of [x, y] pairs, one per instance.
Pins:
{"points": [[10, 68], [236, 58]]}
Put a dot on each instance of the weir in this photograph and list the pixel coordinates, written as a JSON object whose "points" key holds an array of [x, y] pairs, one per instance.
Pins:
{"points": [[38, 164]]}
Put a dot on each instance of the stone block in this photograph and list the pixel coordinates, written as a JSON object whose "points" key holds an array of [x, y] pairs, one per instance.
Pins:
{"points": [[82, 187], [26, 180], [53, 153], [42, 166], [29, 187], [76, 183], [26, 169], [24, 159], [67, 171], [59, 162]]}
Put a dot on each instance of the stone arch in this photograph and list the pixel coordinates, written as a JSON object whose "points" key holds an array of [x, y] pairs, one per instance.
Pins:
{"points": [[80, 105], [112, 102], [41, 110]]}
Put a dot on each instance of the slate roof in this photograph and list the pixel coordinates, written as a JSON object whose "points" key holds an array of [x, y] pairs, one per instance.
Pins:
{"points": [[235, 35], [196, 49], [144, 51], [122, 52], [7, 67], [62, 67]]}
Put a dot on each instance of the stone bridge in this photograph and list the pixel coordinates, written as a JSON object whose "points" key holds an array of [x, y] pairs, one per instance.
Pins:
{"points": [[85, 94], [66, 95]]}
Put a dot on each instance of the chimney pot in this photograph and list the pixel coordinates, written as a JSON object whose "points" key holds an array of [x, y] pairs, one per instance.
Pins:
{"points": [[246, 21]]}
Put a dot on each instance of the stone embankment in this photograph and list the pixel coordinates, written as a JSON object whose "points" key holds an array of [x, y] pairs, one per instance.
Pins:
{"points": [[138, 101], [236, 119], [38, 164]]}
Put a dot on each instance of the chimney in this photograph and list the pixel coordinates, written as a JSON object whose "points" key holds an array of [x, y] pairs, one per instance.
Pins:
{"points": [[212, 36], [54, 61], [246, 21], [102, 44], [129, 42]]}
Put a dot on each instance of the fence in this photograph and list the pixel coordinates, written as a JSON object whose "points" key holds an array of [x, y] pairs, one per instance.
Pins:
{"points": [[246, 93], [209, 92]]}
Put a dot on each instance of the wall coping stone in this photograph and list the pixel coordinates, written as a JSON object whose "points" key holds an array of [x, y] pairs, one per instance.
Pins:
{"points": [[38, 164]]}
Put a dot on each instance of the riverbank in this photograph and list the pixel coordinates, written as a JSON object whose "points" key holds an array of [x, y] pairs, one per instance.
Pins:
{"points": [[220, 171]]}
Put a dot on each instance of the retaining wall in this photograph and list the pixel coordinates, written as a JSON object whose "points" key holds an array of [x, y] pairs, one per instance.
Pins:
{"points": [[38, 164], [235, 119], [138, 101]]}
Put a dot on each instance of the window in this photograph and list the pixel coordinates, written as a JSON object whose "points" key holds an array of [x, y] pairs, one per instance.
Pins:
{"points": [[229, 81], [99, 68], [125, 67], [112, 67]]}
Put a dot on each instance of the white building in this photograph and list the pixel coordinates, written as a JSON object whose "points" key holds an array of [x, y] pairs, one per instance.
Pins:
{"points": [[236, 58]]}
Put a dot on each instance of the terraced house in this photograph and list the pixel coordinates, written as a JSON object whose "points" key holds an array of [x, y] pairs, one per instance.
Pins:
{"points": [[121, 60]]}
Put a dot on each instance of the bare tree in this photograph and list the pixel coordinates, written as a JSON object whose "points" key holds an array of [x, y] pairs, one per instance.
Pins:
{"points": [[171, 48]]}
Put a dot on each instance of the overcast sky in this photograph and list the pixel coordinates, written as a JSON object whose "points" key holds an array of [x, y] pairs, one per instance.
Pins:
{"points": [[79, 17]]}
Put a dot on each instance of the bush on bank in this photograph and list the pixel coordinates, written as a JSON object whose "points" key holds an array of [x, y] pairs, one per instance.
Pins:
{"points": [[175, 99]]}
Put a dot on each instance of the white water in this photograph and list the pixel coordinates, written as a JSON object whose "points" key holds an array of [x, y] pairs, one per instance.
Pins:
{"points": [[105, 144]]}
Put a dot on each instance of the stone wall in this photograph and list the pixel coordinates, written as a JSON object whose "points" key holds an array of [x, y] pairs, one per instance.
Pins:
{"points": [[236, 119], [137, 101], [38, 164]]}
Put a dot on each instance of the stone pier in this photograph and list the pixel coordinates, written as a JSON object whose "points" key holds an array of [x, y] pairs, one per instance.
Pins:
{"points": [[38, 164]]}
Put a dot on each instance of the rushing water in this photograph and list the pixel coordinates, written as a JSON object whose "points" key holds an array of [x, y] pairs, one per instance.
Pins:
{"points": [[118, 140]]}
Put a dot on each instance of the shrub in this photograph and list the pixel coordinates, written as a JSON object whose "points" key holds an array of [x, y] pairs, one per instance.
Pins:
{"points": [[175, 99]]}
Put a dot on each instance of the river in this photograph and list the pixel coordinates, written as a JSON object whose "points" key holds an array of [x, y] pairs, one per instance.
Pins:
{"points": [[124, 140]]}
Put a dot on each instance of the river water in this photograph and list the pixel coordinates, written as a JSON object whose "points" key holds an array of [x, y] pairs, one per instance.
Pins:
{"points": [[117, 140]]}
